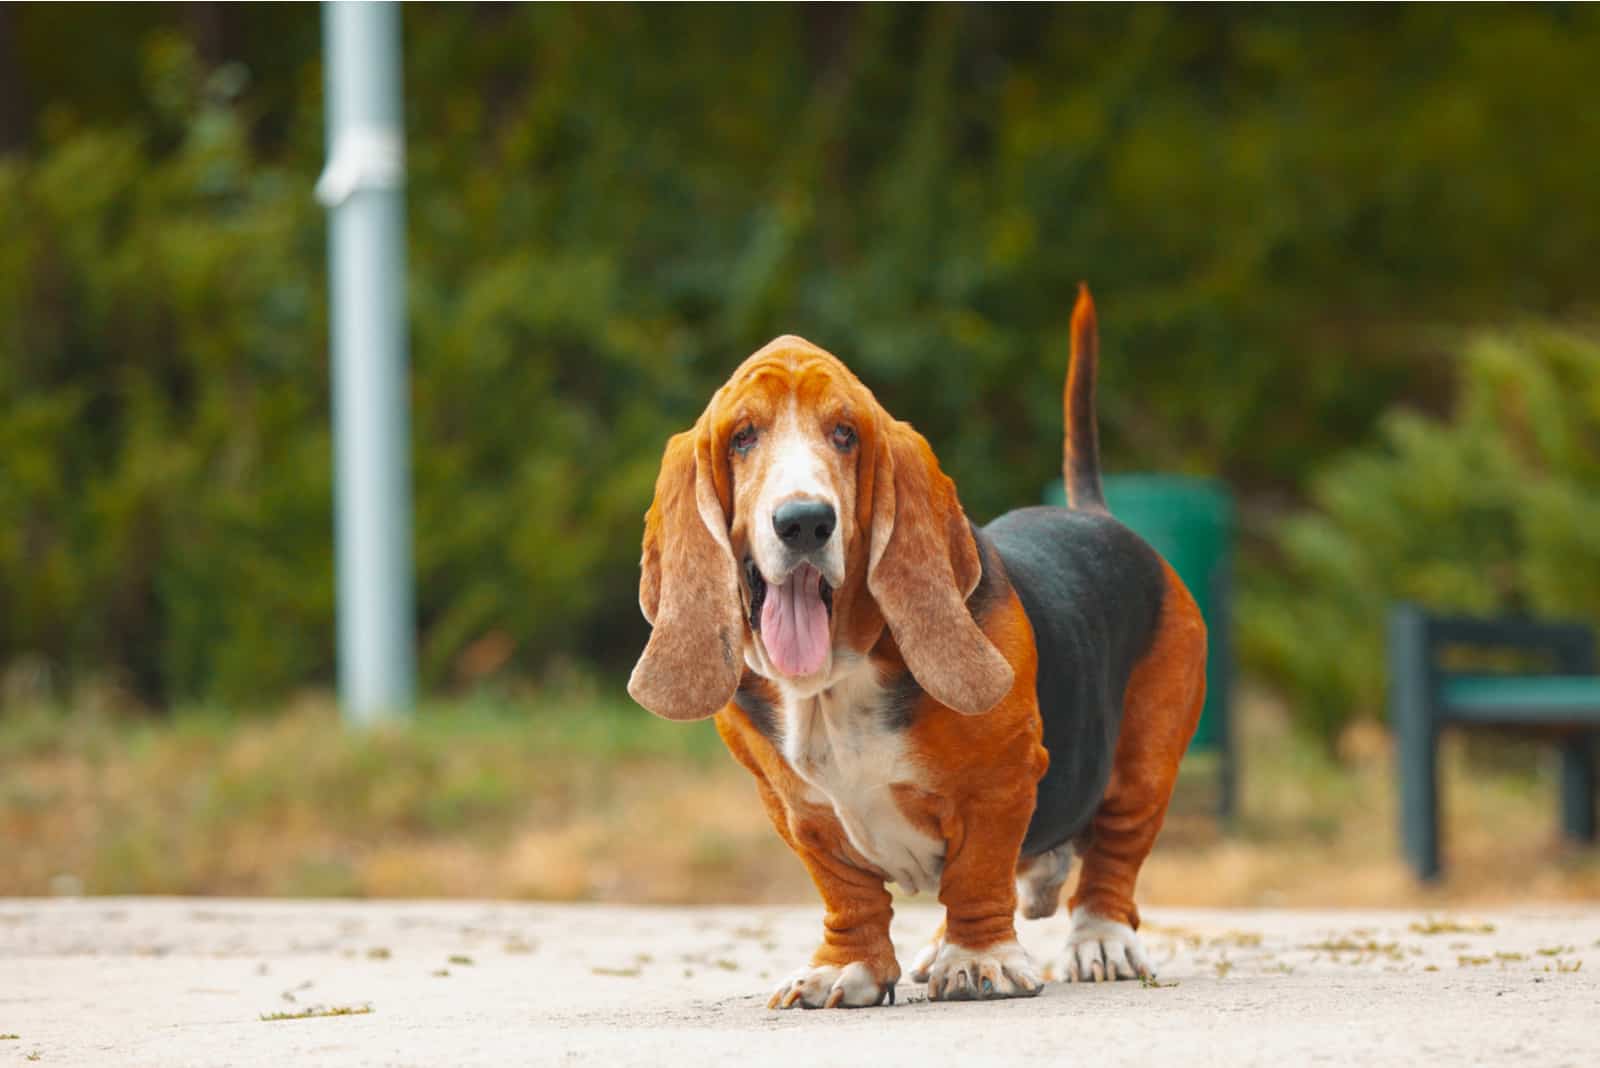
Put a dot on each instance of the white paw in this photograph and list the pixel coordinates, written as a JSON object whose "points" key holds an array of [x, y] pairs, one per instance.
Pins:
{"points": [[1100, 949], [1039, 882], [827, 986], [1002, 970], [926, 956]]}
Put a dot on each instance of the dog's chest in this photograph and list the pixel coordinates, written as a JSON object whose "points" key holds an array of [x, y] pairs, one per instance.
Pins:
{"points": [[843, 747]]}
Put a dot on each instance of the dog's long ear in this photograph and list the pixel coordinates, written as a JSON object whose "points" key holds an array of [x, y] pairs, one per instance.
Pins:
{"points": [[922, 565], [688, 588]]}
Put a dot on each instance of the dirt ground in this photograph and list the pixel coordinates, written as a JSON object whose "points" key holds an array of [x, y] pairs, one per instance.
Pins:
{"points": [[176, 981]]}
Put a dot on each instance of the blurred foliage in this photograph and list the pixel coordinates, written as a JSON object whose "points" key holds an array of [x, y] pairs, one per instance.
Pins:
{"points": [[610, 206], [1494, 510], [164, 501]]}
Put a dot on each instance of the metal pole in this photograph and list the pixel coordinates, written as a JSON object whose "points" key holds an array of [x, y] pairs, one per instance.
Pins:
{"points": [[362, 188]]}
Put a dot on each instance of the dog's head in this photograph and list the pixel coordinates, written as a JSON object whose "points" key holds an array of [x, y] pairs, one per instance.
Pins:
{"points": [[790, 524]]}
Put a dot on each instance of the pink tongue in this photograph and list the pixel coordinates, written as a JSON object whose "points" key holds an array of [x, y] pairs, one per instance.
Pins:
{"points": [[794, 623]]}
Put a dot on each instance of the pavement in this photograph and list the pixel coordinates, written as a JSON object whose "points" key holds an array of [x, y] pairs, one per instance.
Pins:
{"points": [[155, 981]]}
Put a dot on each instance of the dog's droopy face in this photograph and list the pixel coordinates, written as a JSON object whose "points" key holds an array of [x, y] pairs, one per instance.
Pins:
{"points": [[790, 524], [799, 430]]}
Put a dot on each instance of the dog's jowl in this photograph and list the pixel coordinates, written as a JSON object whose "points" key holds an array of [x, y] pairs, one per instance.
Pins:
{"points": [[953, 708]]}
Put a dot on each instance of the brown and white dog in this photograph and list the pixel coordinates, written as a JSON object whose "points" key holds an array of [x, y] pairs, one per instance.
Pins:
{"points": [[920, 700]]}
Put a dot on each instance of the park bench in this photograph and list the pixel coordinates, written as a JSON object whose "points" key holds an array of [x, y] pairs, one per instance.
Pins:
{"points": [[1429, 691]]}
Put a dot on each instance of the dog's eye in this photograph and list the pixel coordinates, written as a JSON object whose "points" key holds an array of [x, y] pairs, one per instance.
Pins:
{"points": [[844, 437], [743, 440]]}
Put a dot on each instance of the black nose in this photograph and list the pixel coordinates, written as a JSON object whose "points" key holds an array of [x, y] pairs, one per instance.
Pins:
{"points": [[804, 525]]}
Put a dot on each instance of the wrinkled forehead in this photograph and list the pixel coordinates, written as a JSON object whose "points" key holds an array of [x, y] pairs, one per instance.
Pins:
{"points": [[791, 369]]}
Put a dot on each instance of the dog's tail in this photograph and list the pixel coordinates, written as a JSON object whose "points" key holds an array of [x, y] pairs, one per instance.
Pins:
{"points": [[1080, 467]]}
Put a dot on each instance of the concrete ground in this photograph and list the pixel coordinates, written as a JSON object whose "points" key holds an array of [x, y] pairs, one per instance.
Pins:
{"points": [[188, 981]]}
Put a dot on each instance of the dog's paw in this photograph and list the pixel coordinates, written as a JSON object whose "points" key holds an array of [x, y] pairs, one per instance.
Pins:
{"points": [[1100, 949], [926, 956], [1039, 882], [1002, 970], [827, 986]]}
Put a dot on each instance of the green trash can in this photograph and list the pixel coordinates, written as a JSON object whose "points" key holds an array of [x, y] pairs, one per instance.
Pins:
{"points": [[1190, 521]]}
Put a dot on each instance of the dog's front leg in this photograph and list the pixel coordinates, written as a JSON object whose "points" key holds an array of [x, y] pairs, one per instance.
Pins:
{"points": [[980, 957], [855, 965]]}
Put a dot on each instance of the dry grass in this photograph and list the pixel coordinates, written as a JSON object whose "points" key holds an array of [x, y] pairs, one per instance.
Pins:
{"points": [[1318, 831], [587, 798], [317, 1012]]}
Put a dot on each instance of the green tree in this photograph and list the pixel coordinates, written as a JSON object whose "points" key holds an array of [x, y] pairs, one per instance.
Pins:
{"points": [[1495, 509], [1282, 210]]}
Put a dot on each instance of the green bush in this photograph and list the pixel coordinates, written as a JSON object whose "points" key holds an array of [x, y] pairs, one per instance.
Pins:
{"points": [[609, 206], [163, 503], [1494, 509]]}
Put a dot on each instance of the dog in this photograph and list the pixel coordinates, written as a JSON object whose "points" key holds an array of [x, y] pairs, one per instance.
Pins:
{"points": [[949, 707]]}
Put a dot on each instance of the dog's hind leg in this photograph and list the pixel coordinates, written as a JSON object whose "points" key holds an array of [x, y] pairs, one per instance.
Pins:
{"points": [[1160, 711], [1040, 879], [925, 956]]}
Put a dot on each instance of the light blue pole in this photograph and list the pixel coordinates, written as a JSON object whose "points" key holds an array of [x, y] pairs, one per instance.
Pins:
{"points": [[362, 188]]}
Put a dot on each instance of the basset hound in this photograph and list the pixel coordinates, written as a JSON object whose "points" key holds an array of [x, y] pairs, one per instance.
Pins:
{"points": [[921, 700]]}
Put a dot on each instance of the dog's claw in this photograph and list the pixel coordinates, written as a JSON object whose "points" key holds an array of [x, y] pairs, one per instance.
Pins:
{"points": [[999, 971], [826, 986], [1101, 950]]}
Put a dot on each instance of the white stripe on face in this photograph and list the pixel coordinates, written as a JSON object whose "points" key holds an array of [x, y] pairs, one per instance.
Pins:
{"points": [[797, 470]]}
